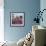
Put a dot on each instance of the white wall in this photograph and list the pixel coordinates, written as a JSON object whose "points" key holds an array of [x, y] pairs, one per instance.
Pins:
{"points": [[43, 6], [1, 21]]}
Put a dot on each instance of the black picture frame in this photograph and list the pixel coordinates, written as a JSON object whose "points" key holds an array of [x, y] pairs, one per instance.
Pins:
{"points": [[17, 19]]}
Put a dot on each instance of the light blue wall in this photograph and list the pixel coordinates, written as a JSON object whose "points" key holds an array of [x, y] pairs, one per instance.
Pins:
{"points": [[30, 7]]}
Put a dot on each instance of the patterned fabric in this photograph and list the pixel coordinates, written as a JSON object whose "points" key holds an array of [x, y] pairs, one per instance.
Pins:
{"points": [[28, 40]]}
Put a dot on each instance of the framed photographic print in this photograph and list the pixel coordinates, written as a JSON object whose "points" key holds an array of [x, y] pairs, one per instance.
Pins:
{"points": [[17, 18]]}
